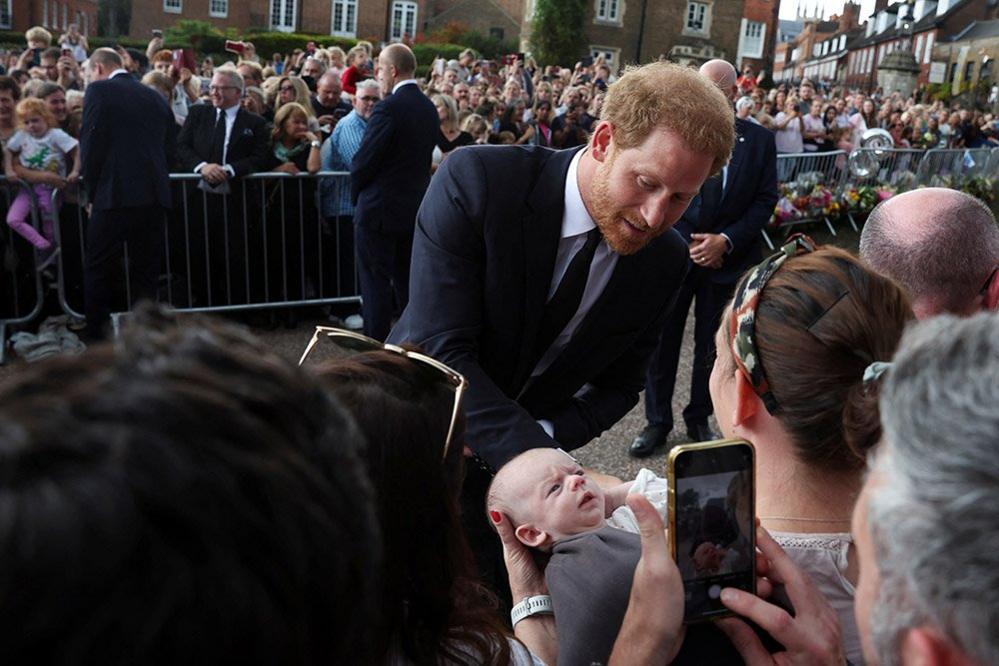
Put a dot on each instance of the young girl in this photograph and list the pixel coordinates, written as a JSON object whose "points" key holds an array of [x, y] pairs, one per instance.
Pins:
{"points": [[43, 148]]}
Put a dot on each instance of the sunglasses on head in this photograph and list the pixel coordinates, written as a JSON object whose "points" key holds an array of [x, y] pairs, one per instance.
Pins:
{"points": [[357, 343]]}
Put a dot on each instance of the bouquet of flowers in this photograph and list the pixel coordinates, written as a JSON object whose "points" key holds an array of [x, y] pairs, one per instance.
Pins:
{"points": [[980, 187], [863, 199], [804, 199]]}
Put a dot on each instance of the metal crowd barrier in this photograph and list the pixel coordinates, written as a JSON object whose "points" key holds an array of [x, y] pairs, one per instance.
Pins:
{"points": [[799, 173], [21, 293], [951, 167], [263, 245]]}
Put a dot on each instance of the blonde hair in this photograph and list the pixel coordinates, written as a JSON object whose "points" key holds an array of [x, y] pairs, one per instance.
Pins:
{"points": [[301, 94], [289, 110], [677, 98], [38, 34], [32, 106], [452, 110], [475, 125]]}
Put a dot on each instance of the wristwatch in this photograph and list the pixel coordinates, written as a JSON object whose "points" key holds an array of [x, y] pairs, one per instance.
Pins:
{"points": [[316, 144], [537, 605]]}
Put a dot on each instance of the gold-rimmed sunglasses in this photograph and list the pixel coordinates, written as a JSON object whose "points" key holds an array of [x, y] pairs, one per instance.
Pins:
{"points": [[357, 343]]}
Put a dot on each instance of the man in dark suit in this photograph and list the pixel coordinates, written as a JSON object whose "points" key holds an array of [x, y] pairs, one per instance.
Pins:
{"points": [[389, 176], [722, 228], [126, 140], [222, 142], [545, 277]]}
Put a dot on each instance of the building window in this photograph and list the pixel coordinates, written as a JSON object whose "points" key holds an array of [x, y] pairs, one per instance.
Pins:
{"points": [[218, 8], [611, 55], [496, 33], [403, 20], [5, 14], [698, 18], [919, 48], [344, 18], [929, 48], [608, 11], [283, 15], [173, 6], [753, 33]]}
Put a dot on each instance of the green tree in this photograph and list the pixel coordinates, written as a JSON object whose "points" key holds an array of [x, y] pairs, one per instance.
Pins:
{"points": [[558, 35]]}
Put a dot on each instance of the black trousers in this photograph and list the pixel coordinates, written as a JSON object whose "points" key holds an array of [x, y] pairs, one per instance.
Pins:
{"points": [[709, 300], [107, 233], [383, 268]]}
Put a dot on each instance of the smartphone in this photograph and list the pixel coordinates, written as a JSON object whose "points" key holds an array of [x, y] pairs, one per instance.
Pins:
{"points": [[712, 532], [234, 47], [67, 52], [157, 32]]}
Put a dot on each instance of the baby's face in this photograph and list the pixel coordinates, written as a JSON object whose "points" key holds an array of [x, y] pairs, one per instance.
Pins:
{"points": [[556, 500]]}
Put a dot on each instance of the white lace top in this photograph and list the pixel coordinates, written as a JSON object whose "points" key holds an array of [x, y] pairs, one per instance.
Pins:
{"points": [[824, 558]]}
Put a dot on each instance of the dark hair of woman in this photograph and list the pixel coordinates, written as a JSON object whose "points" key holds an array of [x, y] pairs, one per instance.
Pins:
{"points": [[433, 608], [821, 320]]}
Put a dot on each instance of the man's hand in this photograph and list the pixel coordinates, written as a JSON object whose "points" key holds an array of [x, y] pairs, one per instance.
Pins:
{"points": [[652, 631], [811, 636], [708, 250], [326, 119], [214, 174]]}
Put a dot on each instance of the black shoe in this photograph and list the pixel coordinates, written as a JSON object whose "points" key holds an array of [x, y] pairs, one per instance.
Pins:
{"points": [[700, 432], [650, 439]]}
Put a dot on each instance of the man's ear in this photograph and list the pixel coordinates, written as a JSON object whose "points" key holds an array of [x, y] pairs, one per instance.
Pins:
{"points": [[924, 646], [530, 536], [600, 144], [747, 403]]}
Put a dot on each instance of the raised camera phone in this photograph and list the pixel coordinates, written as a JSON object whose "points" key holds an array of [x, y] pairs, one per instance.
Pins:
{"points": [[712, 504]]}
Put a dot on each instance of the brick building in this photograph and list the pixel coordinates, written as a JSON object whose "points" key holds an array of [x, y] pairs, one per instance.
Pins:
{"points": [[931, 23], [968, 61], [829, 54], [640, 31], [756, 35], [54, 15], [501, 19], [377, 20]]}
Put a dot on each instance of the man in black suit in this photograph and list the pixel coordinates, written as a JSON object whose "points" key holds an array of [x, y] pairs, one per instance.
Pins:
{"points": [[722, 229], [389, 176], [126, 140], [545, 277], [222, 142]]}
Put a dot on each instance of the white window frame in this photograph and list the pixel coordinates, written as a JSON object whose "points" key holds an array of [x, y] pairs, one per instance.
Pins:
{"points": [[173, 6], [5, 14], [279, 19], [607, 11], [748, 40], [348, 18], [406, 11], [611, 54], [929, 48], [218, 8], [690, 18]]}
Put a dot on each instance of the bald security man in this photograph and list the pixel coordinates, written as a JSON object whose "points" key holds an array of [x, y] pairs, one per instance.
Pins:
{"points": [[389, 176]]}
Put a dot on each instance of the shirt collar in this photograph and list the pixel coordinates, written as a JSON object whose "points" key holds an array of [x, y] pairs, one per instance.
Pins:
{"points": [[231, 111], [401, 84], [118, 71], [576, 219]]}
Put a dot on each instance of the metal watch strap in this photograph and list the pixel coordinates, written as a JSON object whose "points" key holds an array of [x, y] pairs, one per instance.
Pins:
{"points": [[537, 605]]}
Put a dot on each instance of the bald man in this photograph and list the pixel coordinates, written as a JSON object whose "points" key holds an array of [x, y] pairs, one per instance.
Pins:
{"points": [[940, 245], [389, 175], [722, 228]]}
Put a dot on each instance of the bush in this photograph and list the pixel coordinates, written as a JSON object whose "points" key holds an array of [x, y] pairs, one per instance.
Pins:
{"points": [[558, 35]]}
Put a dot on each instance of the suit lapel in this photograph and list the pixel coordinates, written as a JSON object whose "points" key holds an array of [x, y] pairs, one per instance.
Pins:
{"points": [[541, 229], [736, 163]]}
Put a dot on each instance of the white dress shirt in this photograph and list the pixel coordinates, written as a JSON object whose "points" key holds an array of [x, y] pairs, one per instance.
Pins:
{"points": [[230, 120], [402, 83]]}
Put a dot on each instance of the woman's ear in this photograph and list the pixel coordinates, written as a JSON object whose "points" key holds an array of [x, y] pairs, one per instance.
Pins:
{"points": [[747, 403], [530, 536]]}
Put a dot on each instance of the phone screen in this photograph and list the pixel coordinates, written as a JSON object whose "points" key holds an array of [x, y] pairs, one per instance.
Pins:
{"points": [[713, 524]]}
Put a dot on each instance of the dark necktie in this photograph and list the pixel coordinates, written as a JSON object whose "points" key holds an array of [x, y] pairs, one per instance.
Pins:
{"points": [[711, 196], [217, 153], [565, 301]]}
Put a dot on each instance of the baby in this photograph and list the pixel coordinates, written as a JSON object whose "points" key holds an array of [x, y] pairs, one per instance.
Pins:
{"points": [[592, 537]]}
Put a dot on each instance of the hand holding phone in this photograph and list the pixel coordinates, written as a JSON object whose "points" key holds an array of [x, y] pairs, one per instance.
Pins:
{"points": [[235, 47], [712, 526]]}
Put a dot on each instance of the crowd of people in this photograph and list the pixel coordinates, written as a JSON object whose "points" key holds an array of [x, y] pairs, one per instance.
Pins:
{"points": [[185, 495]]}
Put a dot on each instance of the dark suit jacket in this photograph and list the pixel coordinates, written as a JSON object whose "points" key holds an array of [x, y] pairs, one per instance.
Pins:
{"points": [[249, 148], [747, 203], [391, 169], [127, 138], [484, 251]]}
